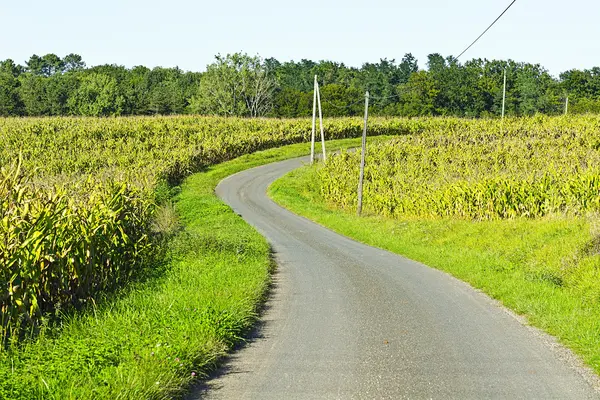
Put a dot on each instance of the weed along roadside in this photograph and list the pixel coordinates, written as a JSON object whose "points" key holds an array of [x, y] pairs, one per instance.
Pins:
{"points": [[158, 336], [542, 267]]}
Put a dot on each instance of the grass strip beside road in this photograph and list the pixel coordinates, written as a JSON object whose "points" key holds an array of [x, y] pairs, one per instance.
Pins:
{"points": [[514, 261], [156, 338]]}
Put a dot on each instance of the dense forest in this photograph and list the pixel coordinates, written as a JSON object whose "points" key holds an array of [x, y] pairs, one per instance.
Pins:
{"points": [[242, 85]]}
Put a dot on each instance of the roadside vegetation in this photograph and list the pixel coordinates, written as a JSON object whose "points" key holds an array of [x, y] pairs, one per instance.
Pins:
{"points": [[123, 276], [155, 336], [511, 210], [80, 200], [192, 298]]}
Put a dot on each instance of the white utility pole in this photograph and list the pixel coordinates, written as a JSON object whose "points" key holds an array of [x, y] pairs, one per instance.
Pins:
{"points": [[567, 106], [321, 122], [504, 95], [362, 157], [314, 123]]}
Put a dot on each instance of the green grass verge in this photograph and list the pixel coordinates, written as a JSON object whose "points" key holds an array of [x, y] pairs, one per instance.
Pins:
{"points": [[545, 269], [154, 339]]}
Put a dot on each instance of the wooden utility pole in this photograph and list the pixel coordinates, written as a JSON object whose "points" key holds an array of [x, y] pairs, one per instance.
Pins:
{"points": [[314, 123], [362, 157]]}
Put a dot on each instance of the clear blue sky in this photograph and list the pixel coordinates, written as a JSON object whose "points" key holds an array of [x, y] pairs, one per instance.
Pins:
{"points": [[185, 33]]}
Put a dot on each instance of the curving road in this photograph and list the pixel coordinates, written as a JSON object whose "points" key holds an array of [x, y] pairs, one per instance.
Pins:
{"points": [[349, 321]]}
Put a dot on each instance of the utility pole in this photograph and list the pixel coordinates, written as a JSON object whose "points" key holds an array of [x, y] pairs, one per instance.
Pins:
{"points": [[362, 157], [314, 123], [504, 95], [567, 106], [321, 122]]}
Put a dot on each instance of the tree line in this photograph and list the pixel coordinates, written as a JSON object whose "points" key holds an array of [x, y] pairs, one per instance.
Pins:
{"points": [[249, 86]]}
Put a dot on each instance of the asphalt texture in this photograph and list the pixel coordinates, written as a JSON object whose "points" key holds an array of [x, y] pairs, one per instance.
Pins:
{"points": [[349, 321]]}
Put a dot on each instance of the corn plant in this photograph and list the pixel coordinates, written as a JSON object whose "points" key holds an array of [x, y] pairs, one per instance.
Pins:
{"points": [[477, 170]]}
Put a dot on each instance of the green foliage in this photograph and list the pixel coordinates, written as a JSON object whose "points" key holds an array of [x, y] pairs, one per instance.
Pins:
{"points": [[546, 269], [477, 170], [10, 103], [59, 251], [78, 216], [584, 105], [292, 103], [155, 339], [419, 95], [235, 85], [242, 85], [339, 100], [97, 96]]}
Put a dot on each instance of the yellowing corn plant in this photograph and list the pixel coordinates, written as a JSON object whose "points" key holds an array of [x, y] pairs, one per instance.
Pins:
{"points": [[58, 251], [478, 169], [77, 197]]}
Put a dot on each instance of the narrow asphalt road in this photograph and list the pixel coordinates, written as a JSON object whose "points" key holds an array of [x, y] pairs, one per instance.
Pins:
{"points": [[349, 321]]}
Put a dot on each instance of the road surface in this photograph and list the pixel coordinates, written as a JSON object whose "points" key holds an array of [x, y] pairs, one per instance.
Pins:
{"points": [[349, 321]]}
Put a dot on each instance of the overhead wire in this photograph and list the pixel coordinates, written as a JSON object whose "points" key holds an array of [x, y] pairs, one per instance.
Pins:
{"points": [[488, 28], [359, 101], [456, 58]]}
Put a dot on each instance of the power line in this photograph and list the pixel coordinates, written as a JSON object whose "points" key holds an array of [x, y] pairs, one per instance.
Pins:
{"points": [[484, 32], [350, 105], [384, 97], [344, 106]]}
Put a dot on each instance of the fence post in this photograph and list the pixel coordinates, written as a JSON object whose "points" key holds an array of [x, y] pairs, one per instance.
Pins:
{"points": [[362, 157]]}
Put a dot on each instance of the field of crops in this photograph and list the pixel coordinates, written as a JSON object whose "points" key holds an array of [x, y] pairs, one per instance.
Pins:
{"points": [[482, 169], [78, 197], [80, 211]]}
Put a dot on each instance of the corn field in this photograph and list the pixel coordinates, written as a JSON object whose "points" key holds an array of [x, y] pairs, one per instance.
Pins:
{"points": [[78, 197], [478, 169]]}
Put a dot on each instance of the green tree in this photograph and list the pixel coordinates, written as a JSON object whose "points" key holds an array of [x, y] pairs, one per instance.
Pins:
{"points": [[419, 95], [165, 91], [407, 67], [52, 64], [58, 89], [340, 101], [10, 101], [73, 62], [235, 85], [32, 91], [292, 103], [35, 65], [97, 95]]}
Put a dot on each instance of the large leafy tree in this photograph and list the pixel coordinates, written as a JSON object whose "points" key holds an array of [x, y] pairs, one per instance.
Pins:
{"points": [[292, 103], [165, 91], [419, 95], [341, 101], [97, 96], [32, 91], [235, 85], [10, 101]]}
